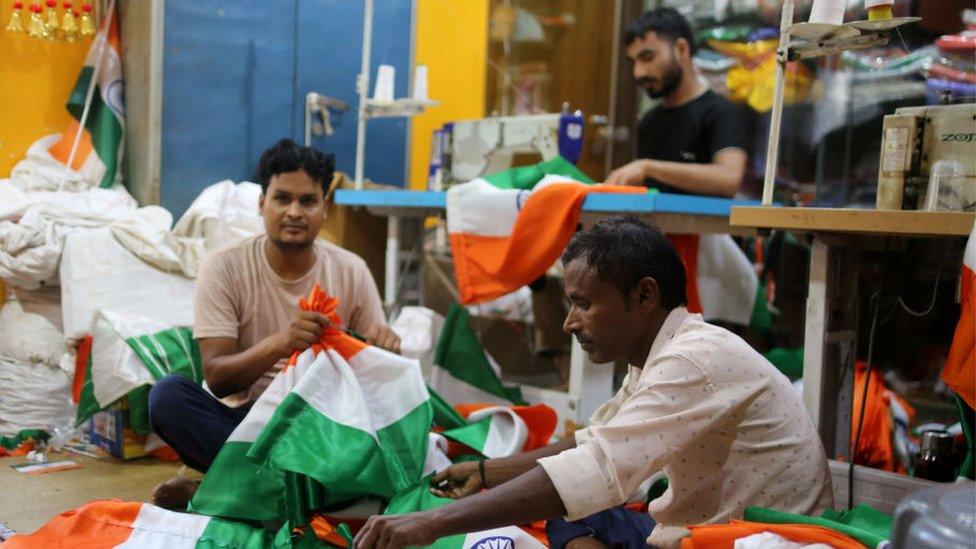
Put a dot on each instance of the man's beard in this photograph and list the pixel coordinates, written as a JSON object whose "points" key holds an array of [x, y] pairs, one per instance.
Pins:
{"points": [[669, 82], [292, 246]]}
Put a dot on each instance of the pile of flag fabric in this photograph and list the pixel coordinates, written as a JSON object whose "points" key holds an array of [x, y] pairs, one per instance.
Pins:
{"points": [[857, 528], [344, 431]]}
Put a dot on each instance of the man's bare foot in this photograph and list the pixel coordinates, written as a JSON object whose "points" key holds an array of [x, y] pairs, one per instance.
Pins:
{"points": [[175, 493]]}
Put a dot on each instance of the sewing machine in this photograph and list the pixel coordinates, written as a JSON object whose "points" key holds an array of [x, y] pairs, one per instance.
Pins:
{"points": [[466, 149], [913, 140]]}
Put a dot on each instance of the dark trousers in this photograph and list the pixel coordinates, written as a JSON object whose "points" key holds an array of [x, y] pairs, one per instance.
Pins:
{"points": [[191, 420], [618, 527]]}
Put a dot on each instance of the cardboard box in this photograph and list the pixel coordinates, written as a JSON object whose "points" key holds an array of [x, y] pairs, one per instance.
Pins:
{"points": [[110, 430]]}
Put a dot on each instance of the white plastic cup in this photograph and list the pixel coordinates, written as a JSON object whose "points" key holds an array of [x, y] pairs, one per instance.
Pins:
{"points": [[420, 83], [828, 11], [942, 183], [385, 76]]}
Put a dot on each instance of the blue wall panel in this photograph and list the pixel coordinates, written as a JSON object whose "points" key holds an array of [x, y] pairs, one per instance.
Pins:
{"points": [[330, 35], [235, 74]]}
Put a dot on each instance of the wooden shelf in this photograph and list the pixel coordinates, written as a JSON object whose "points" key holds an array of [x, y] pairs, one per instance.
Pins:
{"points": [[841, 220]]}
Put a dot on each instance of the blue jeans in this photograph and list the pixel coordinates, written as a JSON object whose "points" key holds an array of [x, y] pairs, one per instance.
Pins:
{"points": [[191, 420], [618, 527]]}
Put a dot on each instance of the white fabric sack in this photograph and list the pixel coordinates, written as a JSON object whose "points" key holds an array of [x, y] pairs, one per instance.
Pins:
{"points": [[33, 396], [44, 301], [223, 215], [419, 329], [41, 171], [146, 233], [29, 338], [30, 248], [98, 273]]}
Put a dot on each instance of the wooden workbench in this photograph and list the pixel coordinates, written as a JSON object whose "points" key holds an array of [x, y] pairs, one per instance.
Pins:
{"points": [[830, 339], [852, 221]]}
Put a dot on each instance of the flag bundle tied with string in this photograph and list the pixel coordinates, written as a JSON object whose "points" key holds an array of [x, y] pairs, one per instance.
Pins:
{"points": [[92, 143], [343, 420]]}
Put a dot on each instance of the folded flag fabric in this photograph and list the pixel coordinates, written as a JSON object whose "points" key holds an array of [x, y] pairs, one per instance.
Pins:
{"points": [[959, 372], [21, 443], [343, 420], [503, 239], [724, 536], [419, 498], [125, 357], [99, 152], [119, 524], [868, 526], [462, 372], [500, 431]]}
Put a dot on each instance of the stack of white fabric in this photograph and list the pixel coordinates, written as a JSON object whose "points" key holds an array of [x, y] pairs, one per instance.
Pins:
{"points": [[37, 210], [59, 228], [35, 372]]}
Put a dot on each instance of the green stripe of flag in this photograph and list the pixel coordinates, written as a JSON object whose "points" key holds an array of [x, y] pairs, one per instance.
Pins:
{"points": [[525, 177], [240, 488], [378, 466], [460, 353], [105, 129]]}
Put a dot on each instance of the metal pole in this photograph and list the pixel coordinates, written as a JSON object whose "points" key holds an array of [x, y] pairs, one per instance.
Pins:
{"points": [[614, 75], [362, 83], [392, 261], [776, 117]]}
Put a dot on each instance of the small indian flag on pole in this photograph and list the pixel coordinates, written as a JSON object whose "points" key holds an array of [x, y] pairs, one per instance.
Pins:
{"points": [[92, 143]]}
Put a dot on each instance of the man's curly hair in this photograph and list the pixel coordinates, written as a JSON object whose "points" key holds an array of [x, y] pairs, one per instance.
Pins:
{"points": [[287, 156]]}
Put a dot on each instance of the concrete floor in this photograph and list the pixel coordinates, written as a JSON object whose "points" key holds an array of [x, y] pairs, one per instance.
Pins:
{"points": [[27, 502]]}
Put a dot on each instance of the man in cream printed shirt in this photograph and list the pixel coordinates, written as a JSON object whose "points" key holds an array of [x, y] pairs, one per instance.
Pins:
{"points": [[700, 405]]}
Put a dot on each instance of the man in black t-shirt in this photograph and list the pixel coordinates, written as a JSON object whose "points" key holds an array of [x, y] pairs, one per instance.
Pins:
{"points": [[694, 142]]}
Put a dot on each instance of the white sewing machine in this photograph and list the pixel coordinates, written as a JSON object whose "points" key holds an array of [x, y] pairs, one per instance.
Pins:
{"points": [[913, 140], [467, 149]]}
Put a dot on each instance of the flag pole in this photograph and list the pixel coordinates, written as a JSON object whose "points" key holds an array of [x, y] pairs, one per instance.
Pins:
{"points": [[102, 38]]}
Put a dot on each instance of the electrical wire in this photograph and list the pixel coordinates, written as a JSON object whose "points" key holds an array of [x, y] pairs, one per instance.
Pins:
{"points": [[935, 292], [875, 303], [875, 299]]}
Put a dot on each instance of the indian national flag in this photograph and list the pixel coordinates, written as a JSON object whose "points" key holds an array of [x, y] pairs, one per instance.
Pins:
{"points": [[343, 416], [419, 498], [960, 367], [503, 239], [462, 371], [123, 357], [99, 153], [120, 524], [507, 229]]}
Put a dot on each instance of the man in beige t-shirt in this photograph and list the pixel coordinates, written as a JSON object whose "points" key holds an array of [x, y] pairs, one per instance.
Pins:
{"points": [[698, 404], [247, 318]]}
